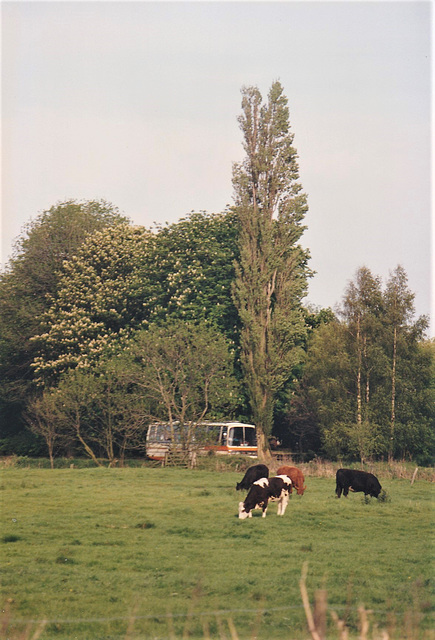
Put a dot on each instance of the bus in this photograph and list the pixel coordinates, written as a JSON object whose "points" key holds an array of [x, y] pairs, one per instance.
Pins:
{"points": [[220, 437]]}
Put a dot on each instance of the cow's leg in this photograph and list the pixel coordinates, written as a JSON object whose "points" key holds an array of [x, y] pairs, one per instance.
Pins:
{"points": [[282, 505], [338, 490], [345, 491]]}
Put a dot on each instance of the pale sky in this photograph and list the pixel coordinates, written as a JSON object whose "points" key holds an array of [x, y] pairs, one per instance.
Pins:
{"points": [[137, 103]]}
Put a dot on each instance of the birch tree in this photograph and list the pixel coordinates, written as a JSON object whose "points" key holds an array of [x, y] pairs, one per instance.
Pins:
{"points": [[399, 305]]}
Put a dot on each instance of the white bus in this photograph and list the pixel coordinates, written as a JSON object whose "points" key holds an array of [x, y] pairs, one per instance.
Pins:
{"points": [[220, 437]]}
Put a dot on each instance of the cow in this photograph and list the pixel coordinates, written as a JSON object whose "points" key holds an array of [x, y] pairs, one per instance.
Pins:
{"points": [[356, 481], [263, 490], [252, 474], [296, 476]]}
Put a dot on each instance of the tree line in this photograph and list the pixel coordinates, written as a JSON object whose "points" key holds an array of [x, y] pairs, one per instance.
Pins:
{"points": [[107, 326]]}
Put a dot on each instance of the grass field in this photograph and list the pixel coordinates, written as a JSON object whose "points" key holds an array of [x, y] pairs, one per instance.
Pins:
{"points": [[160, 553]]}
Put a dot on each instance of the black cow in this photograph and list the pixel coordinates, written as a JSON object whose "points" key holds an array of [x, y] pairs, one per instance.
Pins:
{"points": [[252, 474], [262, 491], [357, 481]]}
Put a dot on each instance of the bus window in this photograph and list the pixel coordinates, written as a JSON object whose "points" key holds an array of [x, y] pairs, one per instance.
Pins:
{"points": [[250, 437], [235, 438]]}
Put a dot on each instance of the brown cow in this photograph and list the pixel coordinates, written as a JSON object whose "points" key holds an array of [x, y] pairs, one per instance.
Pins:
{"points": [[296, 476]]}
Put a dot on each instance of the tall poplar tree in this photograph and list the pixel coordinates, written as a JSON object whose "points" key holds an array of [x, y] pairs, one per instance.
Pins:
{"points": [[271, 274]]}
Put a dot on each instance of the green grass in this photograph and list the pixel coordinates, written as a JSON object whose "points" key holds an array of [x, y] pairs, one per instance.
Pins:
{"points": [[84, 548]]}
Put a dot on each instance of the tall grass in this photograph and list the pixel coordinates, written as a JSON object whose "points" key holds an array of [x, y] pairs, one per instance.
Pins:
{"points": [[160, 553]]}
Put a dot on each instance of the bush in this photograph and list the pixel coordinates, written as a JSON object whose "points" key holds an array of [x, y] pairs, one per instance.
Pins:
{"points": [[22, 443]]}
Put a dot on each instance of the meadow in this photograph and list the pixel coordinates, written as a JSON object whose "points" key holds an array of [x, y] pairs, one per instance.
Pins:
{"points": [[158, 553]]}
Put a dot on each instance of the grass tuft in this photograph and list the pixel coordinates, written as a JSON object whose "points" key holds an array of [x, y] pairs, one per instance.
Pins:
{"points": [[384, 496], [145, 525], [10, 538]]}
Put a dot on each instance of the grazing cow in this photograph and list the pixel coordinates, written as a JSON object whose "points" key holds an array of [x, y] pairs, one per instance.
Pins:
{"points": [[296, 476], [263, 490], [357, 481], [252, 474]]}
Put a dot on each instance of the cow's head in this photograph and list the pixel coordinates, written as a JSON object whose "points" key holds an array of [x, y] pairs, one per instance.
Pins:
{"points": [[376, 491], [300, 490], [242, 513]]}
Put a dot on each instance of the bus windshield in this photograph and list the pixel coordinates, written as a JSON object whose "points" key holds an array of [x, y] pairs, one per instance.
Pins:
{"points": [[241, 437]]}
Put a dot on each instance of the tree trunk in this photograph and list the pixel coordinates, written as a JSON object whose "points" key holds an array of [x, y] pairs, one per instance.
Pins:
{"points": [[264, 453], [393, 397], [87, 448], [358, 377], [50, 453]]}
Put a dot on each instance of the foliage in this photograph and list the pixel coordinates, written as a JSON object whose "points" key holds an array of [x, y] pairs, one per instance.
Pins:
{"points": [[175, 372], [184, 372], [102, 296], [194, 258], [98, 411], [125, 278], [27, 284], [271, 274], [43, 417], [347, 387], [93, 546]]}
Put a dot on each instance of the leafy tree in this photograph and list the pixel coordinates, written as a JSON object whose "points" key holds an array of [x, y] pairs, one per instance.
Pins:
{"points": [[194, 258], [104, 293], [75, 397], [184, 372], [346, 387], [362, 311], [399, 304], [27, 284], [124, 278], [296, 424], [44, 418], [271, 273], [96, 410], [414, 435]]}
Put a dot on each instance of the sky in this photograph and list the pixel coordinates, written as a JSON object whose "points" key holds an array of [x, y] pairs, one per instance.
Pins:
{"points": [[137, 102]]}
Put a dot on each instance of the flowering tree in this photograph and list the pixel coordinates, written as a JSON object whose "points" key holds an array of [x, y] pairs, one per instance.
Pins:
{"points": [[102, 297], [195, 260], [27, 284], [126, 278]]}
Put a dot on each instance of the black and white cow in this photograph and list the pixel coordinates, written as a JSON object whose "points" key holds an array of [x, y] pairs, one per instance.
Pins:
{"points": [[252, 474], [263, 490], [354, 480]]}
